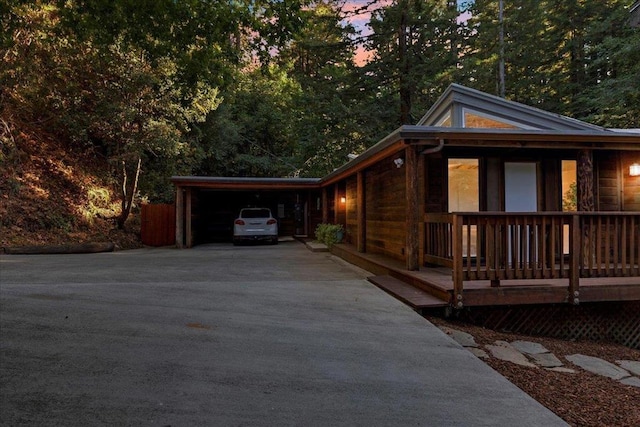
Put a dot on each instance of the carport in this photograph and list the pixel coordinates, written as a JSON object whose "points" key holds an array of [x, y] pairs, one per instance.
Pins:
{"points": [[207, 206]]}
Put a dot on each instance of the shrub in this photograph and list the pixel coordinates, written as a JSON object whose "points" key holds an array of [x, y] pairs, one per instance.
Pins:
{"points": [[329, 234]]}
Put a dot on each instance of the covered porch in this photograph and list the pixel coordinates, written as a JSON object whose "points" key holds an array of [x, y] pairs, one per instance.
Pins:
{"points": [[401, 226]]}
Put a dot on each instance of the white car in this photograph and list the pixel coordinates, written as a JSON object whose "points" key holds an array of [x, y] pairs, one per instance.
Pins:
{"points": [[255, 224]]}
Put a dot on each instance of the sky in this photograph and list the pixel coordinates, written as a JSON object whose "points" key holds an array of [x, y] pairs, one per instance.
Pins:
{"points": [[361, 19]]}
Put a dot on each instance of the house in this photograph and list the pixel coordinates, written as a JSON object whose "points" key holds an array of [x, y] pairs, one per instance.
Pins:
{"points": [[485, 201], [634, 19]]}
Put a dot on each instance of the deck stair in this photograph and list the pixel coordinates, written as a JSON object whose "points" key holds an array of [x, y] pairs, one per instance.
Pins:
{"points": [[415, 297]]}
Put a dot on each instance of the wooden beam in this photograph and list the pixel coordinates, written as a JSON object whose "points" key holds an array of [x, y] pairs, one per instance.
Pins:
{"points": [[412, 250], [361, 213], [325, 205], [574, 266], [422, 188], [336, 203], [179, 217], [457, 261], [189, 231]]}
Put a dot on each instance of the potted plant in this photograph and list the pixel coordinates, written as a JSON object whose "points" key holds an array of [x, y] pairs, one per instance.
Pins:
{"points": [[329, 234]]}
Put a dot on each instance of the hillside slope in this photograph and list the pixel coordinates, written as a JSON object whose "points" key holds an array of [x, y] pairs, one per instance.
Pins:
{"points": [[52, 193]]}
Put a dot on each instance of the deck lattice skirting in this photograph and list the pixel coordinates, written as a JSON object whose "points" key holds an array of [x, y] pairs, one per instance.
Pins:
{"points": [[609, 321]]}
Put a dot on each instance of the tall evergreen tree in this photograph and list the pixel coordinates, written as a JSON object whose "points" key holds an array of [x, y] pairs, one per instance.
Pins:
{"points": [[414, 46]]}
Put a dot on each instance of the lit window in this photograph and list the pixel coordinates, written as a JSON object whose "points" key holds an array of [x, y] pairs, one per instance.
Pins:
{"points": [[473, 120]]}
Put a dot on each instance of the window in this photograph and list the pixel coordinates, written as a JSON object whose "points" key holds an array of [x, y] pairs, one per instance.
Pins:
{"points": [[569, 196], [463, 185], [479, 120], [464, 196], [569, 186], [445, 121]]}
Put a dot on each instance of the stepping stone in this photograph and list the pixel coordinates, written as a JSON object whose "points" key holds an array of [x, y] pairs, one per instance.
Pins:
{"points": [[598, 366], [546, 360], [462, 338], [632, 381], [562, 370], [504, 351], [478, 352], [528, 347], [632, 366]]}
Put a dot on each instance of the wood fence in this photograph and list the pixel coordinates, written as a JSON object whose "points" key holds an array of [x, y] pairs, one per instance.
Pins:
{"points": [[158, 224]]}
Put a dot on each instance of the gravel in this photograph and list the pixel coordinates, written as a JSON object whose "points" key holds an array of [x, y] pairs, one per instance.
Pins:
{"points": [[581, 398]]}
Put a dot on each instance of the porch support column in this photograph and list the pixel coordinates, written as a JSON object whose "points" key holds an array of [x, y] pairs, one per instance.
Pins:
{"points": [[179, 218], [361, 213], [188, 232], [336, 203], [412, 251], [580, 232], [586, 198], [325, 206]]}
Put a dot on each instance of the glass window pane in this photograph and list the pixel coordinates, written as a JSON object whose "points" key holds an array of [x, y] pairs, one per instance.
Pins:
{"points": [[463, 185], [569, 186], [475, 121], [446, 121]]}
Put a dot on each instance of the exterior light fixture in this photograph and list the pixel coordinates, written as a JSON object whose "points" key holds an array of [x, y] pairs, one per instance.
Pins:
{"points": [[343, 199], [634, 169], [399, 162]]}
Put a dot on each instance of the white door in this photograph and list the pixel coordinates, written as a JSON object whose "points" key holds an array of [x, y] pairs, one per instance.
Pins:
{"points": [[520, 187], [520, 195]]}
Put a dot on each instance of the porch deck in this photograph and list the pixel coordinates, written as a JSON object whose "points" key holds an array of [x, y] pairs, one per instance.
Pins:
{"points": [[438, 282]]}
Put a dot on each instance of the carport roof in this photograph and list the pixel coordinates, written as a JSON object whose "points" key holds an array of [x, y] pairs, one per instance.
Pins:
{"points": [[248, 183]]}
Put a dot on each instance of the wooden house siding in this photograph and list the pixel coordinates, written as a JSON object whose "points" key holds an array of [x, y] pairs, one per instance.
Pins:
{"points": [[386, 209], [435, 185], [608, 182], [351, 227], [631, 184]]}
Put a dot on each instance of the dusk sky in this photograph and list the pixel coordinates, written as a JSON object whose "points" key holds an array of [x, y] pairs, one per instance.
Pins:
{"points": [[360, 16]]}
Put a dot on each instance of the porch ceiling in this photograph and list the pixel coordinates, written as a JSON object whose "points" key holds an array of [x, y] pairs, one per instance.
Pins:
{"points": [[246, 183]]}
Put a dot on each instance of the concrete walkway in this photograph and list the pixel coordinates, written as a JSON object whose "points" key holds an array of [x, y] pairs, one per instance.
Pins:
{"points": [[226, 336]]}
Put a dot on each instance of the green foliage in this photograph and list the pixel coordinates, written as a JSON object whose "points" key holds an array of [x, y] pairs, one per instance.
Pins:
{"points": [[329, 234], [271, 88]]}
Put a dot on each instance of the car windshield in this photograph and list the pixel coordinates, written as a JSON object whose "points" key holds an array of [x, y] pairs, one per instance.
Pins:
{"points": [[255, 213]]}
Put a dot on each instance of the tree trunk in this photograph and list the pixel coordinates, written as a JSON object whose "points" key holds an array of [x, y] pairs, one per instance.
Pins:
{"points": [[128, 191], [405, 67]]}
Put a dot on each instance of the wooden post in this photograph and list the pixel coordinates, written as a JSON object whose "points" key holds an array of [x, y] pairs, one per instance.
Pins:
{"points": [[325, 206], [412, 216], [361, 213], [457, 261], [574, 262], [179, 218], [336, 203], [188, 232]]}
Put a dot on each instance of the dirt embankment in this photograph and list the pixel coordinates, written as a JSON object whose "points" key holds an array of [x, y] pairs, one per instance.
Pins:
{"points": [[54, 193]]}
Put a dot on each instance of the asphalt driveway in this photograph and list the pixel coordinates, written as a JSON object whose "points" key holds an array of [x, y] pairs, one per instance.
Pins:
{"points": [[227, 336]]}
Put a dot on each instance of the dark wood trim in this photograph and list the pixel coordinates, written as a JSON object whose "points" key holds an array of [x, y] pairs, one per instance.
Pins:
{"points": [[179, 217], [355, 165], [412, 249], [361, 213], [188, 218], [325, 205], [336, 203], [515, 296]]}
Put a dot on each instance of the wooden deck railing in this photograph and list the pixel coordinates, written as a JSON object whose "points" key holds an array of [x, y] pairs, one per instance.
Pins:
{"points": [[498, 246]]}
